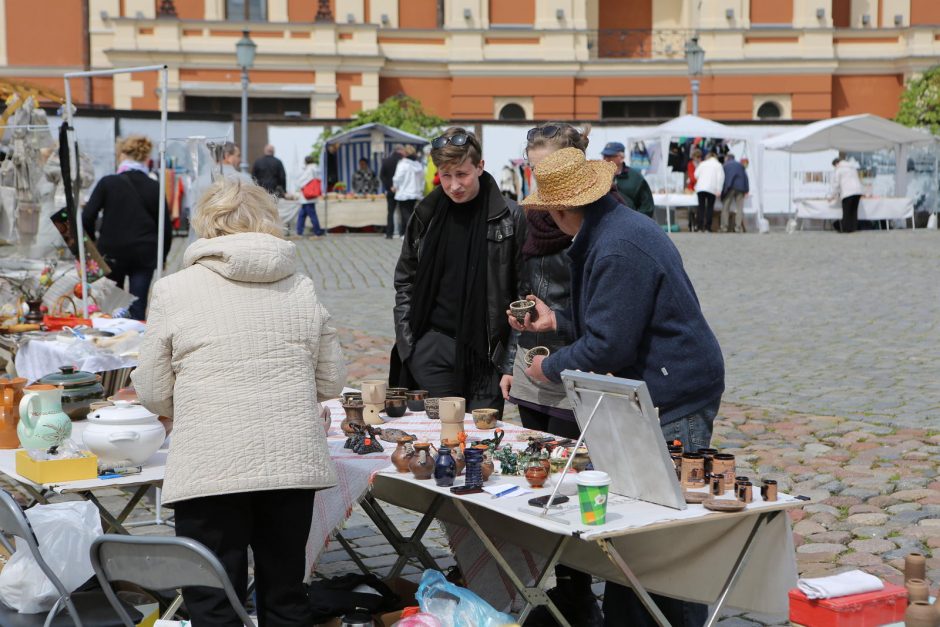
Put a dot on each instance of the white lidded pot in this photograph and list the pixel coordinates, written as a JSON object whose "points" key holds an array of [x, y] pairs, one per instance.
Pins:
{"points": [[124, 434]]}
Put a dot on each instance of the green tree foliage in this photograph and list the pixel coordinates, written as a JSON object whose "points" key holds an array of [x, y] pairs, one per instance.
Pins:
{"points": [[401, 112], [920, 102]]}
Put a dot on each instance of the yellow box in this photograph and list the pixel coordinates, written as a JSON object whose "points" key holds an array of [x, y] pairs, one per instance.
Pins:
{"points": [[57, 470], [151, 613]]}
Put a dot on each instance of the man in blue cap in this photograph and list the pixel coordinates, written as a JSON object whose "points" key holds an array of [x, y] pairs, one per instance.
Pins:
{"points": [[630, 183]]}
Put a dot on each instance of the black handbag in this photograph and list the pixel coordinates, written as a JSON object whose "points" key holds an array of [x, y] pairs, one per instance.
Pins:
{"points": [[334, 597]]}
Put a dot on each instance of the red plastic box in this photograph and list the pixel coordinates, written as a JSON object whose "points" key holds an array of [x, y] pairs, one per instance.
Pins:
{"points": [[871, 609]]}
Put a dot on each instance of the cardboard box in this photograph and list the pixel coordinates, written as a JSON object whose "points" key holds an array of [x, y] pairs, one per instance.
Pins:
{"points": [[56, 470], [870, 609]]}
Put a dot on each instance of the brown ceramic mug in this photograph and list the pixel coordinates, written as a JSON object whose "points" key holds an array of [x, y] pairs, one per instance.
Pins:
{"points": [[693, 470]]}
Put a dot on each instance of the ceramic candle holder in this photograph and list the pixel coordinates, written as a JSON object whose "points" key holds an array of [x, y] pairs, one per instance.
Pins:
{"points": [[485, 418], [532, 353], [415, 399], [520, 308]]}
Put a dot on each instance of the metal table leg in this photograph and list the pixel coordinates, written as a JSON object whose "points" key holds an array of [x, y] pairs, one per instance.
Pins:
{"points": [[534, 595], [765, 517], [351, 552], [158, 518], [115, 523], [614, 556], [407, 548]]}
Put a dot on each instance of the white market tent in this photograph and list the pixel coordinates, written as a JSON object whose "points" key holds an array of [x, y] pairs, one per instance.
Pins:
{"points": [[854, 133], [694, 126]]}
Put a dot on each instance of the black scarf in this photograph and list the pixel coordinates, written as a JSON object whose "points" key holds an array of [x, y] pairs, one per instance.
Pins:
{"points": [[544, 237], [472, 358]]}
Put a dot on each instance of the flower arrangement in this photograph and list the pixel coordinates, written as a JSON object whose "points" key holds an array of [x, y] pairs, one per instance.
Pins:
{"points": [[33, 288]]}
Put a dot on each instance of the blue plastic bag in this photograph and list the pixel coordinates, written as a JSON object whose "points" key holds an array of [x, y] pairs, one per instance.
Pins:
{"points": [[455, 606]]}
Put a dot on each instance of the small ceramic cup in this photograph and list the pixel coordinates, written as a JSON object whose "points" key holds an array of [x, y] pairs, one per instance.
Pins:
{"points": [[532, 353], [395, 406], [351, 396], [415, 399], [520, 308], [485, 418], [431, 408]]}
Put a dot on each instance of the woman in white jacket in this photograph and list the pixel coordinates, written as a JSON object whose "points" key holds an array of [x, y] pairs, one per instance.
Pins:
{"points": [[847, 187], [239, 351], [709, 180], [408, 185]]}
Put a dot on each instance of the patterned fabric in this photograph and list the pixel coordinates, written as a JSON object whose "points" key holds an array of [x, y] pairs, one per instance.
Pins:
{"points": [[238, 350]]}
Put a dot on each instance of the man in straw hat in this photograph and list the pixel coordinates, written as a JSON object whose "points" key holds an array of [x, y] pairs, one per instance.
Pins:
{"points": [[460, 265], [633, 313]]}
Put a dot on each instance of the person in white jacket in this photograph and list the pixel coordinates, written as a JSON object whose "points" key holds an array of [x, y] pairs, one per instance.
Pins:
{"points": [[240, 353], [309, 207], [408, 185], [847, 187], [709, 180]]}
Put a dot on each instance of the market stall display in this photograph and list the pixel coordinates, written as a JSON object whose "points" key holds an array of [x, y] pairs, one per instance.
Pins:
{"points": [[354, 211], [869, 208]]}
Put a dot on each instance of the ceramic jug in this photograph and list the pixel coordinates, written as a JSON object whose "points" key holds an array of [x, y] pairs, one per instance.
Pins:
{"points": [[422, 464], [451, 410], [11, 392], [401, 456], [373, 392], [43, 424]]}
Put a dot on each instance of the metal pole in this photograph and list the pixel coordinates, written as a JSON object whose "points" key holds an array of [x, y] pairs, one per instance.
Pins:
{"points": [[695, 86], [79, 227], [244, 164], [161, 206]]}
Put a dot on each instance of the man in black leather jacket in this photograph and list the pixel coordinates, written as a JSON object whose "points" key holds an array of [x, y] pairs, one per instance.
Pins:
{"points": [[460, 267]]}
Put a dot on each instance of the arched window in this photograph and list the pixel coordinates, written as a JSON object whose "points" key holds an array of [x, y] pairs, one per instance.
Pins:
{"points": [[512, 111], [769, 111]]}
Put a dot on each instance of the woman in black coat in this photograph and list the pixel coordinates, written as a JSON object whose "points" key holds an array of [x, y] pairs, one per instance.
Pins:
{"points": [[128, 235]]}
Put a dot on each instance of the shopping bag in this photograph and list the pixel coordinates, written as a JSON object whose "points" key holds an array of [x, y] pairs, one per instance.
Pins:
{"points": [[639, 156], [313, 189], [65, 532]]}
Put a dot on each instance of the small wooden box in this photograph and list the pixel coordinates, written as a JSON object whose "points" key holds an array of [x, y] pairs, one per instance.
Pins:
{"points": [[57, 470]]}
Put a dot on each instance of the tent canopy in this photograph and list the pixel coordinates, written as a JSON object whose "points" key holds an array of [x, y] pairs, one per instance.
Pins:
{"points": [[694, 126], [364, 133], [856, 133]]}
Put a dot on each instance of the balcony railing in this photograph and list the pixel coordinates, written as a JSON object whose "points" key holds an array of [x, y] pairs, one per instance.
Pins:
{"points": [[618, 43]]}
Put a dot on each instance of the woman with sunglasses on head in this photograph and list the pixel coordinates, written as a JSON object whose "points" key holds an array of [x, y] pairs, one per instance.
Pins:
{"points": [[460, 265]]}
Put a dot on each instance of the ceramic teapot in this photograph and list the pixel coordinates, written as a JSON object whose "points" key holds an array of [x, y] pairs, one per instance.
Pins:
{"points": [[43, 424]]}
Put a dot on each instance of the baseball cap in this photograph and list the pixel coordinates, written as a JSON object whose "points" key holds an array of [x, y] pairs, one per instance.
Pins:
{"points": [[613, 148]]}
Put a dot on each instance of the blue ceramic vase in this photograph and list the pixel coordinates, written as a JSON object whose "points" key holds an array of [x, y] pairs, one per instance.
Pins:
{"points": [[445, 468], [474, 469]]}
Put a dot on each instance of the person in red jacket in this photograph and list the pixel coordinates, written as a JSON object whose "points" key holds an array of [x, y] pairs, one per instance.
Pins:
{"points": [[690, 172]]}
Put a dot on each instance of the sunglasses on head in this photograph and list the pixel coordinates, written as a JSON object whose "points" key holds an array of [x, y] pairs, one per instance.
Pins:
{"points": [[457, 139], [548, 131]]}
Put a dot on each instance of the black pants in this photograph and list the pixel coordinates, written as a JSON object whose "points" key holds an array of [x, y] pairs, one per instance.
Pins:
{"points": [[391, 204], [139, 278], [275, 524], [540, 421], [706, 208], [432, 365], [406, 207], [850, 213]]}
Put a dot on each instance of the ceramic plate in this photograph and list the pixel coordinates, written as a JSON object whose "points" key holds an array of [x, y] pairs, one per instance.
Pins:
{"points": [[724, 505], [696, 497]]}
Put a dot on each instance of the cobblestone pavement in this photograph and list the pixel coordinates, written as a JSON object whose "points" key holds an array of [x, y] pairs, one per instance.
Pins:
{"points": [[828, 342]]}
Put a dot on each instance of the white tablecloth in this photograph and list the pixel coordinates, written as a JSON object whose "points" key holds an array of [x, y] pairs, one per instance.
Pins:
{"points": [[675, 200], [38, 357], [882, 208], [355, 213]]}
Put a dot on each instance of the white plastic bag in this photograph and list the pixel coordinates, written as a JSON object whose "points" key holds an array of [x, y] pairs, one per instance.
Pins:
{"points": [[65, 532]]}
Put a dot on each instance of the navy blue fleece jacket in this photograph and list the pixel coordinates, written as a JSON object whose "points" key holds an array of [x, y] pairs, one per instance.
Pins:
{"points": [[635, 314]]}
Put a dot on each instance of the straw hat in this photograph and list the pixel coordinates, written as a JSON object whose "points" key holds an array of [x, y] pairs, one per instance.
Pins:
{"points": [[566, 179]]}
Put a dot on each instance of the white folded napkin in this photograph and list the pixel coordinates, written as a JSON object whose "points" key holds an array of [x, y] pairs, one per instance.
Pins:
{"points": [[844, 584]]}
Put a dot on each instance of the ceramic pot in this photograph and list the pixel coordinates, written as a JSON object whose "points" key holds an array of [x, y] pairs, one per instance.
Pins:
{"points": [[373, 392], [11, 393], [532, 353], [421, 464], [445, 468], [915, 567], [126, 434], [723, 463], [536, 474], [432, 408], [917, 590], [401, 456], [79, 390], [452, 416], [920, 614], [474, 467], [349, 397], [415, 399], [487, 467], [395, 406], [34, 315], [353, 415], [457, 453], [693, 470], [485, 418], [395, 392], [581, 459], [42, 424], [520, 308], [708, 454]]}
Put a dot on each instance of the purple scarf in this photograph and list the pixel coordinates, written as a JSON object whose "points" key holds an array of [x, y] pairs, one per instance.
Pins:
{"points": [[544, 237]]}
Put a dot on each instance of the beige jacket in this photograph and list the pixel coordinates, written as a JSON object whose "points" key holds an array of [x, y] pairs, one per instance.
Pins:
{"points": [[239, 351]]}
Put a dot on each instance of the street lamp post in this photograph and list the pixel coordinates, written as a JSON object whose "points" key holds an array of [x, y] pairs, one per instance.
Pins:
{"points": [[695, 57], [245, 54]]}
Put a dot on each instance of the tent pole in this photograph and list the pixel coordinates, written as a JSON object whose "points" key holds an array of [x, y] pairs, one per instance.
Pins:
{"points": [[161, 206]]}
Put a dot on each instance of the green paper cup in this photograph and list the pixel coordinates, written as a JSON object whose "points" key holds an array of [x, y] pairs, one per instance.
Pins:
{"points": [[593, 486]]}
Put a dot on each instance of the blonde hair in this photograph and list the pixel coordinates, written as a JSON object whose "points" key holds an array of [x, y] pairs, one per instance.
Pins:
{"points": [[232, 205], [410, 150], [137, 147]]}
